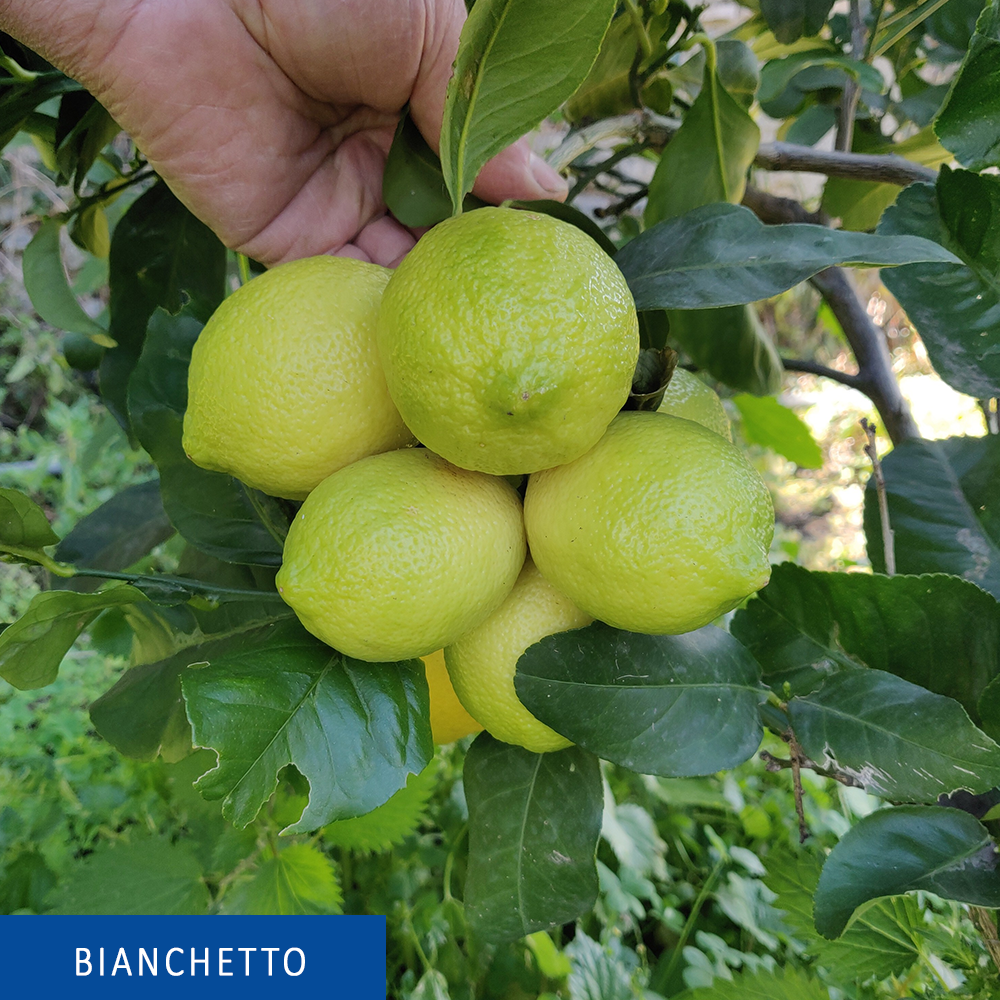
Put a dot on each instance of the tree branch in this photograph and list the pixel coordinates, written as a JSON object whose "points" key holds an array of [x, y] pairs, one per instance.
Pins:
{"points": [[815, 368], [852, 89]]}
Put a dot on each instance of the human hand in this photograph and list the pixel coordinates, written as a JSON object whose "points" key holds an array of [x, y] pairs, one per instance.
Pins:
{"points": [[271, 121]]}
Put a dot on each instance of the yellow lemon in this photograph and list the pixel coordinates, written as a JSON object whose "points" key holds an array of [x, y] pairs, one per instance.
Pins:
{"points": [[401, 553], [687, 396], [449, 719], [509, 340], [285, 385], [482, 663], [660, 528]]}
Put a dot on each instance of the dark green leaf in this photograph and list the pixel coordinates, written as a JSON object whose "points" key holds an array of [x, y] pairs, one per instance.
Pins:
{"points": [[23, 524], [789, 20], [955, 23], [781, 984], [48, 288], [354, 730], [945, 851], [897, 740], [161, 256], [600, 972], [903, 20], [33, 647], [731, 344], [567, 213], [606, 91], [779, 73], [25, 881], [120, 532], [722, 255], [674, 705], [298, 881], [969, 122], [214, 512], [534, 822], [768, 423], [148, 877], [944, 508], [19, 101], [517, 61]]}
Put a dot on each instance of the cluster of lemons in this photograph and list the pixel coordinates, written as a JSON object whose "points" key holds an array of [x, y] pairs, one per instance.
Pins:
{"points": [[504, 344]]}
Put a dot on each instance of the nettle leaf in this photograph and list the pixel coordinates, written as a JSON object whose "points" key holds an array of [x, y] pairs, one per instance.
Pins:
{"points": [[118, 533], [723, 255], [24, 528], [897, 740], [884, 939], [892, 851], [214, 512], [600, 971], [534, 822], [969, 122], [298, 881], [148, 877], [517, 61], [944, 508], [789, 20], [33, 647], [956, 306], [781, 984], [766, 422], [161, 256], [938, 631], [673, 705], [354, 730]]}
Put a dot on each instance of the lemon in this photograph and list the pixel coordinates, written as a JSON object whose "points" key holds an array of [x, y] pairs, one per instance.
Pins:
{"points": [[449, 719], [660, 528], [482, 663], [509, 340], [399, 554], [687, 396], [285, 385]]}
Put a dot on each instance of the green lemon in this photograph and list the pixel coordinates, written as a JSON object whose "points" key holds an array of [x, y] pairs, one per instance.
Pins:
{"points": [[660, 528], [285, 385], [687, 396], [401, 553], [509, 340], [482, 663]]}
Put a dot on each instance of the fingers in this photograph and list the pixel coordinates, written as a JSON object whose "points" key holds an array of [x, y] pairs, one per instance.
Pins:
{"points": [[519, 173]]}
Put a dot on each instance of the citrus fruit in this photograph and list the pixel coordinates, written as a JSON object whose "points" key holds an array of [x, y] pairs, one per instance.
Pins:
{"points": [[509, 340], [399, 554], [687, 396], [482, 662], [449, 719], [660, 528], [285, 385]]}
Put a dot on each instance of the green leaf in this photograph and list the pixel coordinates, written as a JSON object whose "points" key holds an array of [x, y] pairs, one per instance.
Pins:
{"points": [[600, 972], [940, 850], [389, 824], [708, 159], [48, 288], [534, 822], [969, 122], [897, 740], [23, 524], [884, 939], [214, 512], [731, 344], [781, 984], [19, 101], [766, 422], [944, 508], [161, 256], [119, 532], [25, 881], [298, 881], [150, 876], [673, 705], [956, 306], [606, 91], [902, 21], [91, 232], [354, 730], [33, 647], [517, 61], [779, 73], [723, 255], [789, 20]]}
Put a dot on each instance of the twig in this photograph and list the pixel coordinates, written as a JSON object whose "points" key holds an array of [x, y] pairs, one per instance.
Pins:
{"points": [[991, 414], [888, 544], [775, 764], [815, 368], [622, 206], [852, 89], [986, 924]]}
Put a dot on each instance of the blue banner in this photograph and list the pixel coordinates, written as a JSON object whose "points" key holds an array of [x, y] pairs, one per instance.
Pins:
{"points": [[193, 957]]}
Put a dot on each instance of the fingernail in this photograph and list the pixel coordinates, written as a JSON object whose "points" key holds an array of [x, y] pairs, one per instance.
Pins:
{"points": [[546, 178]]}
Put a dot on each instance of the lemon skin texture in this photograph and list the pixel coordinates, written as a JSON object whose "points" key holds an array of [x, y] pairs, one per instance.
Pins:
{"points": [[285, 385], [449, 719], [399, 554], [687, 396], [509, 340], [660, 528], [482, 663]]}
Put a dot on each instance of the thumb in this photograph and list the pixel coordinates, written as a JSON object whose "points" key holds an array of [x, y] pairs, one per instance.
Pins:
{"points": [[516, 172]]}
